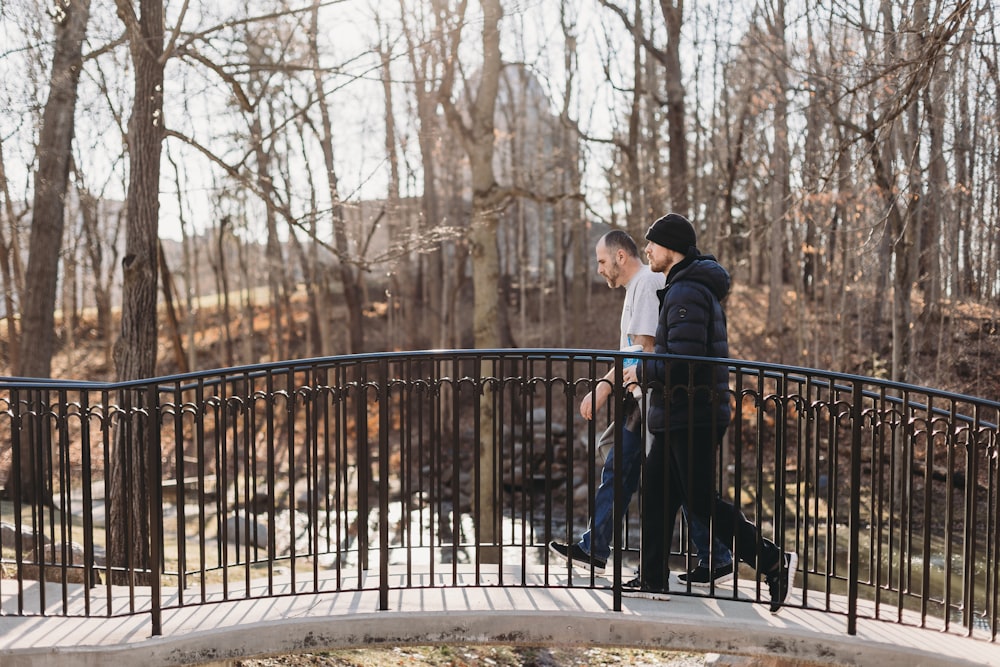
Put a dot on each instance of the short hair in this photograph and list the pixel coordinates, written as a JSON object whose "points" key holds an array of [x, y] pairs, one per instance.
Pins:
{"points": [[618, 239]]}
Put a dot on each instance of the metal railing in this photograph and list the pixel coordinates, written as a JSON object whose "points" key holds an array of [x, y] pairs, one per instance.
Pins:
{"points": [[456, 468]]}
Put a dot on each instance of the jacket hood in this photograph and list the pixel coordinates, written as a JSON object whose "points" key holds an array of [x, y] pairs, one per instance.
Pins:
{"points": [[704, 269]]}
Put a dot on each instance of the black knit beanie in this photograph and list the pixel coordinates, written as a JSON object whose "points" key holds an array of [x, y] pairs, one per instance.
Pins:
{"points": [[673, 231]]}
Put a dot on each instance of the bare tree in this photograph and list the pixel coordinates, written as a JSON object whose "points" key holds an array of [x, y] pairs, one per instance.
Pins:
{"points": [[903, 219], [135, 350], [394, 211], [779, 208], [430, 31], [668, 56], [349, 274], [10, 266], [961, 271], [38, 336], [673, 76], [477, 137], [101, 254], [476, 132], [51, 182], [629, 142], [936, 224], [579, 239]]}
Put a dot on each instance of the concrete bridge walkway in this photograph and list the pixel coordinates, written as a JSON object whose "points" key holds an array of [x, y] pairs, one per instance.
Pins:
{"points": [[464, 613]]}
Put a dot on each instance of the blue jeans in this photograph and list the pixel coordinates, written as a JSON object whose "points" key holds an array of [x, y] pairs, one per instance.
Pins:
{"points": [[597, 540]]}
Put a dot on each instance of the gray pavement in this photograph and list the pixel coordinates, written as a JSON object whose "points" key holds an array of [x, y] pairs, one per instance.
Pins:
{"points": [[466, 613]]}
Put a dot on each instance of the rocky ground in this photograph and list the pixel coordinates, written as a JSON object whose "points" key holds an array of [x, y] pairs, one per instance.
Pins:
{"points": [[488, 656]]}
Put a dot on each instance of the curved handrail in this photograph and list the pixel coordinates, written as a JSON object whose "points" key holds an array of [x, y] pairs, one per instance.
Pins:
{"points": [[432, 457]]}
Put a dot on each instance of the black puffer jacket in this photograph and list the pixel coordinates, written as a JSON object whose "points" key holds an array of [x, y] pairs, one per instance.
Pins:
{"points": [[692, 323]]}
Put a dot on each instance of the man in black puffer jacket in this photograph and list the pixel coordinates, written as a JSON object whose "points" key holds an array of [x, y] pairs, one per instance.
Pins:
{"points": [[689, 412]]}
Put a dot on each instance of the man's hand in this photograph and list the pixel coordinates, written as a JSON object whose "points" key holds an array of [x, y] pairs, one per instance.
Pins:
{"points": [[629, 377], [592, 402]]}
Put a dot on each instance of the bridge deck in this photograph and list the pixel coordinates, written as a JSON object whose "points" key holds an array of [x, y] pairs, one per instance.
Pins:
{"points": [[470, 614]]}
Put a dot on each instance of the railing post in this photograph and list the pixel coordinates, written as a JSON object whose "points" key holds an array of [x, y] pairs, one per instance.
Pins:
{"points": [[383, 483], [616, 503], [853, 554], [364, 464], [155, 506]]}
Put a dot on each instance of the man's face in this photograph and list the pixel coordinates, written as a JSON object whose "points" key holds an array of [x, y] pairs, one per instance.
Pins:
{"points": [[660, 258], [608, 265]]}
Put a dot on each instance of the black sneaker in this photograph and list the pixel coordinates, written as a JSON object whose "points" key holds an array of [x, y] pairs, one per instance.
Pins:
{"points": [[640, 589], [577, 556], [702, 576], [780, 581]]}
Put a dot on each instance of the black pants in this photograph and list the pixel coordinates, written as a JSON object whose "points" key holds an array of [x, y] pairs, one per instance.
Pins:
{"points": [[680, 469]]}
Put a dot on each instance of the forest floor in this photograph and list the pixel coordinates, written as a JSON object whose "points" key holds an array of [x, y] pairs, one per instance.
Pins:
{"points": [[485, 656]]}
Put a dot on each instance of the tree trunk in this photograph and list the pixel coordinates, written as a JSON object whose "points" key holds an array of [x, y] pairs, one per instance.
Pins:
{"points": [[101, 268], [135, 350], [10, 269], [394, 218], [812, 210], [673, 17], [248, 300], [430, 265], [734, 159], [68, 303], [221, 269], [38, 305], [841, 253], [279, 308], [906, 236], [54, 151], [189, 272], [579, 239], [962, 272], [780, 188], [483, 253], [935, 237], [170, 308], [348, 273], [636, 220], [656, 174], [478, 138]]}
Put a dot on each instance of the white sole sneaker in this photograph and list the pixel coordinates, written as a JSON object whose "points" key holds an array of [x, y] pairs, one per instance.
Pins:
{"points": [[576, 557], [719, 579], [789, 573], [641, 591]]}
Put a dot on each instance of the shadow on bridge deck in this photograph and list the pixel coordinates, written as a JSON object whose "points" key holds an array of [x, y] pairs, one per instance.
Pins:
{"points": [[466, 614]]}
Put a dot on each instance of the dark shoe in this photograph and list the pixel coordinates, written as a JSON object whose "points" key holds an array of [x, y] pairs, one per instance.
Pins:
{"points": [[577, 556], [640, 589], [702, 576], [781, 579]]}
